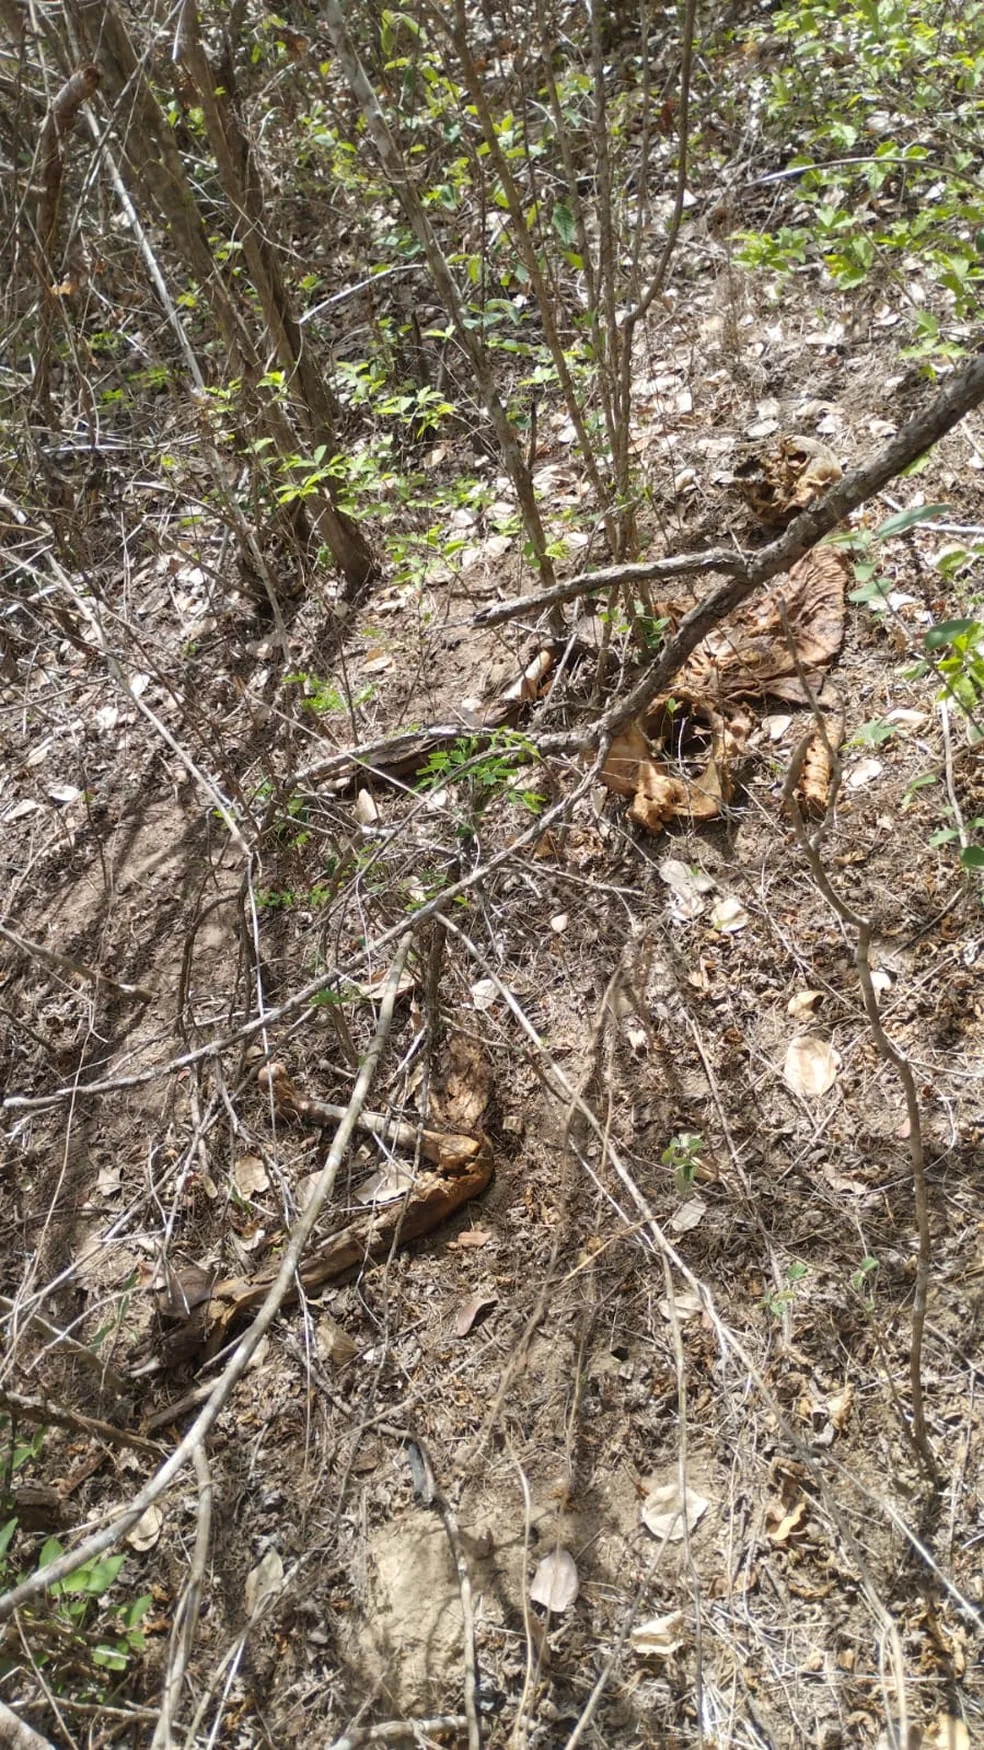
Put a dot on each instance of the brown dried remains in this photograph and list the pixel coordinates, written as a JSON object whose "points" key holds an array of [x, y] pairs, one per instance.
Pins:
{"points": [[680, 759]]}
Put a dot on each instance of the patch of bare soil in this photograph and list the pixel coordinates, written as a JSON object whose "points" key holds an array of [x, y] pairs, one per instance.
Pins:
{"points": [[694, 1267]]}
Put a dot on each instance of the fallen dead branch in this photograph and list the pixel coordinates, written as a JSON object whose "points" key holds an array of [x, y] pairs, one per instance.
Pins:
{"points": [[946, 409], [14, 1735], [43, 1413], [726, 559]]}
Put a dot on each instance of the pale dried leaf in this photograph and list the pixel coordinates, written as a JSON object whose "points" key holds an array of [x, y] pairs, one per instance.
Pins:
{"points": [[250, 1175], [687, 886], [865, 772], [689, 1215], [147, 1529], [305, 1188], [660, 1636], [484, 992], [811, 1065], [263, 1581], [366, 812], [687, 1303], [558, 923], [374, 987], [555, 1584], [64, 792], [472, 1237], [729, 915], [333, 1343], [391, 1182], [776, 726], [663, 1511], [790, 1523], [802, 1003]]}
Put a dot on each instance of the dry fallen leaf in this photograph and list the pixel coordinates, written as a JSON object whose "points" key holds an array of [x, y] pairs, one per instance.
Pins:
{"points": [[366, 812], [333, 1343], [687, 1304], [663, 1511], [471, 1237], [865, 772], [660, 1637], [147, 1529], [810, 1065], [391, 1182], [729, 915], [555, 1584], [687, 886], [689, 1215], [263, 1581], [471, 1309], [484, 992], [802, 1003], [250, 1175], [790, 1523]]}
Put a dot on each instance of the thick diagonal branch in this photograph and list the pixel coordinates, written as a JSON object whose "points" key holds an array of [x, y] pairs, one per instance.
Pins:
{"points": [[964, 391]]}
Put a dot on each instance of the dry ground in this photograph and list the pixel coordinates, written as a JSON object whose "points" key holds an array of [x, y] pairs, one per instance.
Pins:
{"points": [[734, 1334]]}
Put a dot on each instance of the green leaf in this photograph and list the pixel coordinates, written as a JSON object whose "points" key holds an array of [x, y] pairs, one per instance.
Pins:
{"points": [[947, 632], [563, 223], [875, 591], [94, 1577], [921, 783], [878, 730], [136, 1611], [973, 857], [110, 1658], [6, 1533], [907, 519]]}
